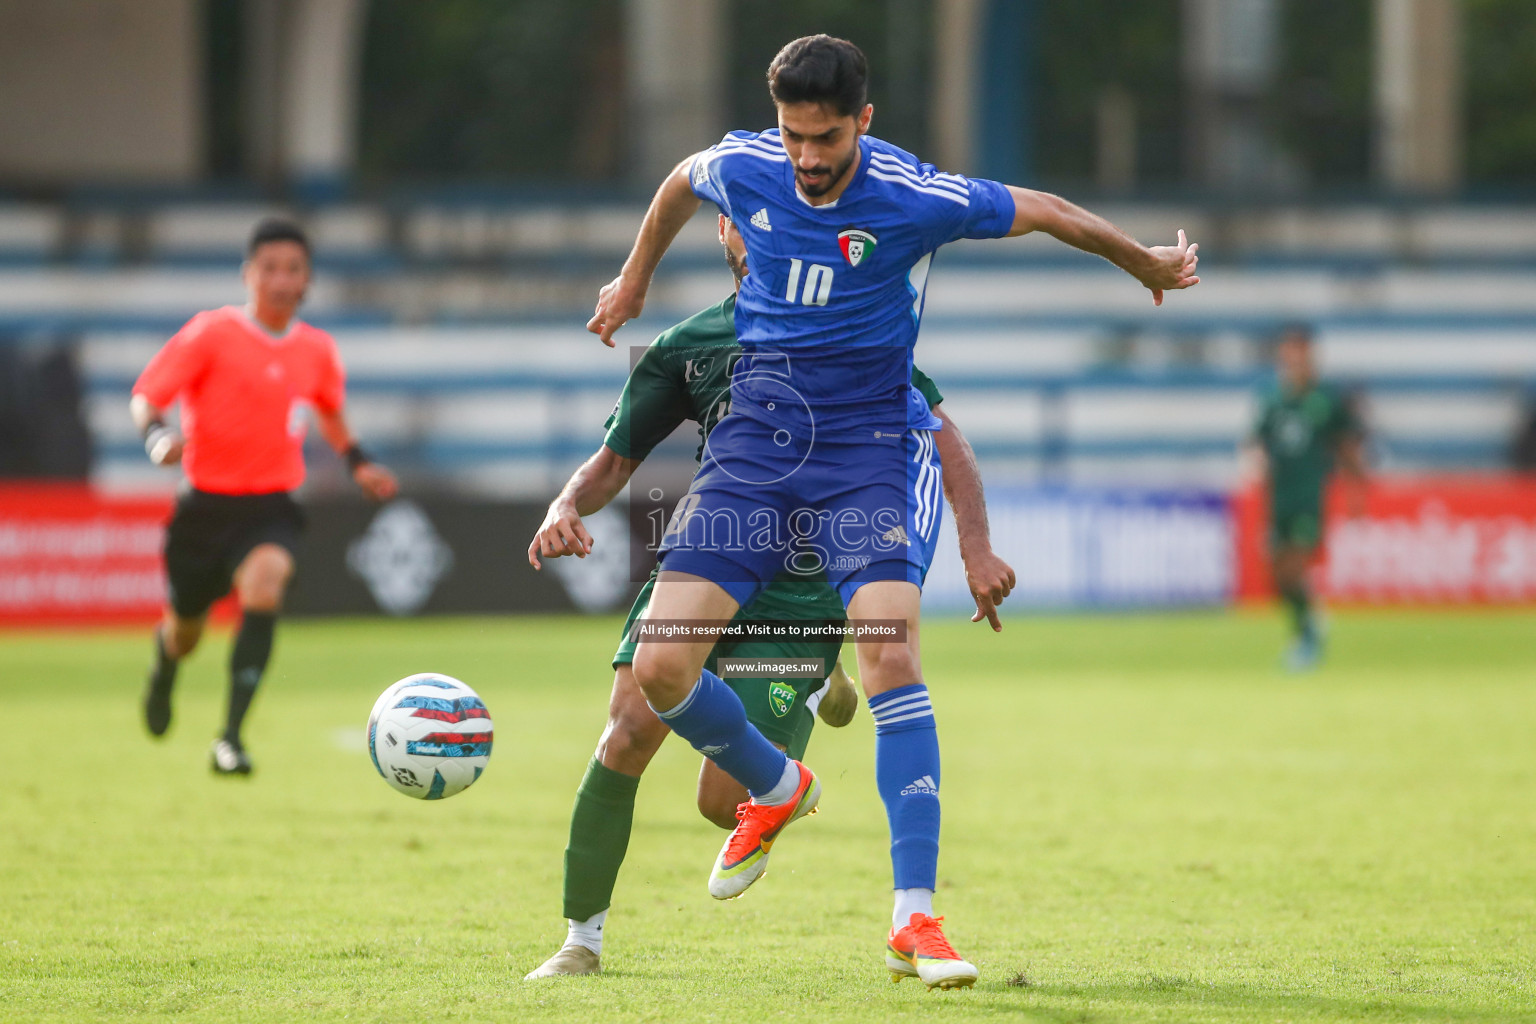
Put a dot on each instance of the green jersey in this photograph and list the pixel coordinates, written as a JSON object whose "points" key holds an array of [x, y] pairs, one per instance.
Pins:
{"points": [[685, 374], [1301, 433]]}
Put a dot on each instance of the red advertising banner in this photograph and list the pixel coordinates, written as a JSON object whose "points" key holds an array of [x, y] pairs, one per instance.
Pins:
{"points": [[1427, 540], [68, 555]]}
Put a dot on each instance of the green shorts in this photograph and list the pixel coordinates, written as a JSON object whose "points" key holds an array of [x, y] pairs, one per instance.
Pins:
{"points": [[1296, 529], [776, 706]]}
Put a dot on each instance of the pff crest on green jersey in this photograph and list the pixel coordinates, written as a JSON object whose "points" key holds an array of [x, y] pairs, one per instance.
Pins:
{"points": [[856, 245], [781, 697]]}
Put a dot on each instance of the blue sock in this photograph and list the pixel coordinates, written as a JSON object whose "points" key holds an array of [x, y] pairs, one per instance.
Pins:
{"points": [[907, 774], [711, 718]]}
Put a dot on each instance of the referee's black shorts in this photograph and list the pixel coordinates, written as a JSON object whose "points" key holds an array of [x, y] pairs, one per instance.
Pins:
{"points": [[209, 535]]}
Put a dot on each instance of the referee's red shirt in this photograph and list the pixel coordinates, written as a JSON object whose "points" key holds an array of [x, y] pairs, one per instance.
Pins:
{"points": [[242, 391]]}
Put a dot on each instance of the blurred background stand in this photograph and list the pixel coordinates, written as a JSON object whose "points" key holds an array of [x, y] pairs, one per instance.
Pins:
{"points": [[42, 432], [472, 171]]}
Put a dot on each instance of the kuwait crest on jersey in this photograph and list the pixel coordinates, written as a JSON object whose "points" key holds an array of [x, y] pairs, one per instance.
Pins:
{"points": [[856, 245]]}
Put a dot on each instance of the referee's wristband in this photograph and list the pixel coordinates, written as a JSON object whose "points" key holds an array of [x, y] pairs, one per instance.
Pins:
{"points": [[153, 435], [355, 457]]}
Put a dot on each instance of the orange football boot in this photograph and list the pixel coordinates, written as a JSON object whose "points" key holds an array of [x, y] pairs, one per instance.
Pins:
{"points": [[744, 857], [919, 950]]}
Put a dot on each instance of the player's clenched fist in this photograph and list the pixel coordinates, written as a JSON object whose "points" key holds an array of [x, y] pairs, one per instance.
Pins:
{"points": [[619, 301], [376, 482], [563, 533], [1174, 268]]}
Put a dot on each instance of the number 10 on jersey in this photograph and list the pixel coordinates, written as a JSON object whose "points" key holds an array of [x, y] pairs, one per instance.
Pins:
{"points": [[818, 284]]}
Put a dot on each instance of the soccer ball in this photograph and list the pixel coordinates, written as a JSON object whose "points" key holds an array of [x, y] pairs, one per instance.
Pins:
{"points": [[429, 736]]}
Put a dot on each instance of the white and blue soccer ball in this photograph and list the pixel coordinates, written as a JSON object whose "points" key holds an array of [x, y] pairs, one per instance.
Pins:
{"points": [[429, 736]]}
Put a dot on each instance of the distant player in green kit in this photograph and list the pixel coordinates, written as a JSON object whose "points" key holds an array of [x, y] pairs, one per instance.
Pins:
{"points": [[684, 376], [1304, 429]]}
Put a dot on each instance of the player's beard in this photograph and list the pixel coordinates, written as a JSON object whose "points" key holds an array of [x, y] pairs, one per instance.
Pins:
{"points": [[738, 265], [830, 180]]}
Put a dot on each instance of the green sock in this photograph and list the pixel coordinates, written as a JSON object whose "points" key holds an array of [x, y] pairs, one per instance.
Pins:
{"points": [[600, 823], [1300, 604]]}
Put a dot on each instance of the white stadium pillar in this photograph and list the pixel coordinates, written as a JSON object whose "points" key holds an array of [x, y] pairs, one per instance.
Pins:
{"points": [[1231, 55], [956, 74], [320, 117], [303, 58], [1418, 94], [675, 64]]}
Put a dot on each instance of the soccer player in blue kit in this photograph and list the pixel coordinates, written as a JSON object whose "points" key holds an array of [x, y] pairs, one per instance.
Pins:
{"points": [[826, 461]]}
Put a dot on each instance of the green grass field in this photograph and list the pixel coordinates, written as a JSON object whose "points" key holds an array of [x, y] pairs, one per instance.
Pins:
{"points": [[1144, 821]]}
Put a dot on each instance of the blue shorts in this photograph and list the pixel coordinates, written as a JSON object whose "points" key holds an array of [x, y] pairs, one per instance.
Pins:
{"points": [[763, 504]]}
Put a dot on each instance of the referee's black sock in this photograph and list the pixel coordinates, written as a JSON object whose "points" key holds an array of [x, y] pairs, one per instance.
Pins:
{"points": [[247, 662], [157, 697], [164, 673]]}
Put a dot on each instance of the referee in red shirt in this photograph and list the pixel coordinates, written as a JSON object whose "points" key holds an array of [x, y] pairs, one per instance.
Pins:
{"points": [[243, 376]]}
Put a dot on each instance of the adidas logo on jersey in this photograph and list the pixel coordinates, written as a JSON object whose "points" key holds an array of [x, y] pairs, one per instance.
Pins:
{"points": [[922, 785], [896, 535], [760, 220]]}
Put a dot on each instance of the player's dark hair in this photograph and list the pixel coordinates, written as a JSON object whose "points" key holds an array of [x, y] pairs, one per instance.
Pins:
{"points": [[1296, 330], [277, 229], [821, 69]]}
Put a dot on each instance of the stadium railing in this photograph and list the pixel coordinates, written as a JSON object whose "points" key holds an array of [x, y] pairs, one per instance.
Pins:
{"points": [[458, 317]]}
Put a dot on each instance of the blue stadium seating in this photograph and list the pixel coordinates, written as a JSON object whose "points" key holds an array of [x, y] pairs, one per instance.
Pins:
{"points": [[461, 324]]}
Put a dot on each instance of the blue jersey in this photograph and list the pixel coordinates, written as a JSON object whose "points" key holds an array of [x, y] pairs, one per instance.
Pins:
{"points": [[829, 311]]}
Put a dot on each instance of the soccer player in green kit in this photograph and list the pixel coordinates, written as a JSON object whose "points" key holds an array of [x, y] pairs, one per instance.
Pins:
{"points": [[1305, 428], [685, 375]]}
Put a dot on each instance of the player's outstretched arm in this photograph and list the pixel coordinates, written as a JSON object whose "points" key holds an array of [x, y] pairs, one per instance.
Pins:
{"points": [[375, 480], [1160, 268], [623, 298], [592, 487], [990, 578], [1350, 452]]}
